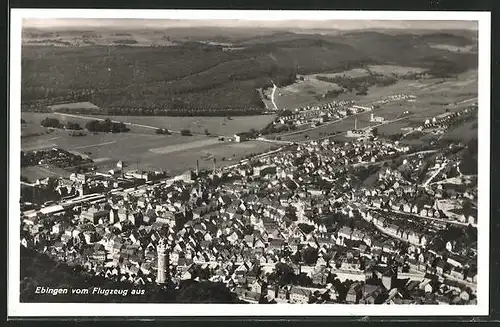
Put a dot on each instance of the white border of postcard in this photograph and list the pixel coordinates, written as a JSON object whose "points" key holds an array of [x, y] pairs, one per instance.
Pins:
{"points": [[17, 309]]}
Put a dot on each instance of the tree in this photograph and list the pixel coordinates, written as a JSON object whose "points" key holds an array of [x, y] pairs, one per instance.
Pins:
{"points": [[106, 126], [310, 255], [284, 274], [50, 122], [207, 132], [186, 132], [205, 292], [72, 126], [306, 228]]}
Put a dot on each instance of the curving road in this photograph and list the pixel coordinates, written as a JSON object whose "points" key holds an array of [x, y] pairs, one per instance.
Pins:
{"points": [[272, 95]]}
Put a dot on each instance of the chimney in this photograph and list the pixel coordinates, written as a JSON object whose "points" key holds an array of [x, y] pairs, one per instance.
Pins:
{"points": [[197, 168]]}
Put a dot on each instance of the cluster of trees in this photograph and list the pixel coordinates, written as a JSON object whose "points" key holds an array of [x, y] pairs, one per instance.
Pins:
{"points": [[186, 132], [469, 164], [50, 122], [460, 237], [73, 126], [106, 126], [272, 129], [54, 123]]}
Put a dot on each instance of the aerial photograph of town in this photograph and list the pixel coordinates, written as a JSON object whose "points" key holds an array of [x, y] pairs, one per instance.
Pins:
{"points": [[251, 162]]}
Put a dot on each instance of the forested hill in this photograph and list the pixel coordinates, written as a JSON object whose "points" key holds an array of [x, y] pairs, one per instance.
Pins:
{"points": [[209, 76], [38, 270]]}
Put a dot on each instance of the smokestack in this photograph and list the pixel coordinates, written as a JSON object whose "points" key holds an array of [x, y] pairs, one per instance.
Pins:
{"points": [[197, 167], [356, 123], [215, 161]]}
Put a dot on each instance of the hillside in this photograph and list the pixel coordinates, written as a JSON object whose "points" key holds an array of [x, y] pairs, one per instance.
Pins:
{"points": [[40, 270], [189, 77]]}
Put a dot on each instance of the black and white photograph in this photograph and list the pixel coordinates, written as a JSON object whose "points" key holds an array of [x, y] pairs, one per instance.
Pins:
{"points": [[248, 163]]}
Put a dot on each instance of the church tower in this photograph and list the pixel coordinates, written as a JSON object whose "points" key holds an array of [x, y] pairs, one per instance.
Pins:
{"points": [[163, 262]]}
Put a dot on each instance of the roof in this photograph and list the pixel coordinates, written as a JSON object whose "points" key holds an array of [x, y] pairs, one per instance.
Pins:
{"points": [[300, 291], [52, 209]]}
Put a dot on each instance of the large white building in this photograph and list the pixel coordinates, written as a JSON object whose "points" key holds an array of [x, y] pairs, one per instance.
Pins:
{"points": [[375, 119]]}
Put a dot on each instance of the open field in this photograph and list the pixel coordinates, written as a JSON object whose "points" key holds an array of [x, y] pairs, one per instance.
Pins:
{"points": [[454, 48], [214, 125], [146, 150], [33, 121], [393, 69], [197, 125], [33, 173], [352, 73], [74, 105], [303, 93]]}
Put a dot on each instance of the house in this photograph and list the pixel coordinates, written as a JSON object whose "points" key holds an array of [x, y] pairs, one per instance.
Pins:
{"points": [[354, 293], [257, 287], [370, 293], [300, 295], [320, 278], [389, 278]]}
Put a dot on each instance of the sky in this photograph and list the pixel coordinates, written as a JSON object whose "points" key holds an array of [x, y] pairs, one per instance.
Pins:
{"points": [[229, 23]]}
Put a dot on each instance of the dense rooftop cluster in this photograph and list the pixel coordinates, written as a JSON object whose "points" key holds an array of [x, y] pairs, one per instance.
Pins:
{"points": [[320, 222]]}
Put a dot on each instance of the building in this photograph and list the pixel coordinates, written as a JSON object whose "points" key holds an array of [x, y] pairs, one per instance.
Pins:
{"points": [[93, 215], [300, 295], [375, 119], [163, 261], [240, 137]]}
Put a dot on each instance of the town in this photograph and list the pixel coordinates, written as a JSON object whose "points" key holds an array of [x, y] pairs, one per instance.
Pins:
{"points": [[364, 220]]}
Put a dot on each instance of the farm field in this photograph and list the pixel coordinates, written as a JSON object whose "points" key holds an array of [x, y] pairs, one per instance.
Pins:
{"points": [[197, 125], [74, 105], [214, 125], [33, 122], [393, 69], [352, 73], [33, 173]]}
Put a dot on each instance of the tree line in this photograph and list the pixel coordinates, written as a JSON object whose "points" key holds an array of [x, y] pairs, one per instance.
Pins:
{"points": [[106, 126]]}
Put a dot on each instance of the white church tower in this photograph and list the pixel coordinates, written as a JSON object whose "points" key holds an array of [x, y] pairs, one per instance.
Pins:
{"points": [[163, 262]]}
